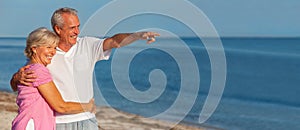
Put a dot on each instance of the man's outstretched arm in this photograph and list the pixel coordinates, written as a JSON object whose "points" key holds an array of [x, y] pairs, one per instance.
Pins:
{"points": [[123, 39]]}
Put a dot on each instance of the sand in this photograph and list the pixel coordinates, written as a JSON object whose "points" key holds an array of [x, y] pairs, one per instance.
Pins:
{"points": [[108, 118]]}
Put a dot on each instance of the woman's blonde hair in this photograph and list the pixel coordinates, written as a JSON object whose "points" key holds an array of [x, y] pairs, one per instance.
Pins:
{"points": [[40, 37]]}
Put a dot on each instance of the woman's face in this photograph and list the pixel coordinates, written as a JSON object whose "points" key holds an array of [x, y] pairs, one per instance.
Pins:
{"points": [[44, 54]]}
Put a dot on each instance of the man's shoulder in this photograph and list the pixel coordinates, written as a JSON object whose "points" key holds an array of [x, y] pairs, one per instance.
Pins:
{"points": [[88, 38]]}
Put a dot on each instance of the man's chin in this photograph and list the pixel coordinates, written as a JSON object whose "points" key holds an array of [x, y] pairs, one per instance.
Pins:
{"points": [[72, 42]]}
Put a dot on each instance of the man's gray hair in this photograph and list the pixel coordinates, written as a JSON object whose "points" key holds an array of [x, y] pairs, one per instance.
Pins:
{"points": [[57, 19]]}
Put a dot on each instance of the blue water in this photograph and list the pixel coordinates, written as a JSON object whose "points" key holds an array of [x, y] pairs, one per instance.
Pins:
{"points": [[261, 91]]}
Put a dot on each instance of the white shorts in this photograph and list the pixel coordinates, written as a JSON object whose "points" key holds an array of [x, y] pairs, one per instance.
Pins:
{"points": [[30, 125]]}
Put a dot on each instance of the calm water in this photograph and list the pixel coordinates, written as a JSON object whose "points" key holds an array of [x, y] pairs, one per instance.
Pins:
{"points": [[262, 83]]}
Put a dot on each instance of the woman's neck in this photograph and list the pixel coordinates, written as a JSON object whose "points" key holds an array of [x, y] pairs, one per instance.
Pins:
{"points": [[34, 61]]}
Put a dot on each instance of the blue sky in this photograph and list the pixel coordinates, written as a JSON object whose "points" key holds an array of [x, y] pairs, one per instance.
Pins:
{"points": [[230, 17]]}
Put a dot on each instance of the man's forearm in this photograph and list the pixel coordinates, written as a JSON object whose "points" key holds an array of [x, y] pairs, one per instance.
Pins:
{"points": [[13, 83], [119, 40], [123, 39]]}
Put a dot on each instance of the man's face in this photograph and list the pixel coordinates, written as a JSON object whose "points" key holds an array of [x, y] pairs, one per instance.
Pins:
{"points": [[70, 30]]}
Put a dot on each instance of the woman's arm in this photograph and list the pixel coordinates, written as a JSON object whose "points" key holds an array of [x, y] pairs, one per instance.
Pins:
{"points": [[55, 100]]}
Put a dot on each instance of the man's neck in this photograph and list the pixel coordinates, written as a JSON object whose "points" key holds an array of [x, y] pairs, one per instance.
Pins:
{"points": [[65, 47]]}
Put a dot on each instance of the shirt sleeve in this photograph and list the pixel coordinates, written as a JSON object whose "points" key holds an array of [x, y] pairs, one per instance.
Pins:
{"points": [[95, 46], [43, 75]]}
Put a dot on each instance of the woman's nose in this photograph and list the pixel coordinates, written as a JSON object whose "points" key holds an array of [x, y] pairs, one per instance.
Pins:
{"points": [[53, 51]]}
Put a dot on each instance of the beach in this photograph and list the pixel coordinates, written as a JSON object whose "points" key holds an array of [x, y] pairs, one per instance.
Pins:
{"points": [[261, 91], [108, 118]]}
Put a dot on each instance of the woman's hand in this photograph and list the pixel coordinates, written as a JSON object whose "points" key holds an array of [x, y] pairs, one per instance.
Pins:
{"points": [[91, 106]]}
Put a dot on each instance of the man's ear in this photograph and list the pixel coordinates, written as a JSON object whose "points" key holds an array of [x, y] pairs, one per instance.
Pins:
{"points": [[57, 29]]}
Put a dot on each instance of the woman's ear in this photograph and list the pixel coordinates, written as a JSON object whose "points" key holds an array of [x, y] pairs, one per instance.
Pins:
{"points": [[33, 49]]}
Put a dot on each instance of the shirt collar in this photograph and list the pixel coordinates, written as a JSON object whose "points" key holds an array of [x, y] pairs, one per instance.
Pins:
{"points": [[59, 50]]}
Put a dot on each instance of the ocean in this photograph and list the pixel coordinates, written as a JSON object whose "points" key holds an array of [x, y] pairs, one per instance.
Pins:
{"points": [[261, 90]]}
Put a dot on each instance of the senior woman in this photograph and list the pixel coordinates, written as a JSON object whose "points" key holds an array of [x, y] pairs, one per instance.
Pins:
{"points": [[38, 102]]}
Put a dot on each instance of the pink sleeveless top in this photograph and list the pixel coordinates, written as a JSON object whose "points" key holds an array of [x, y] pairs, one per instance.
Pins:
{"points": [[32, 105]]}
